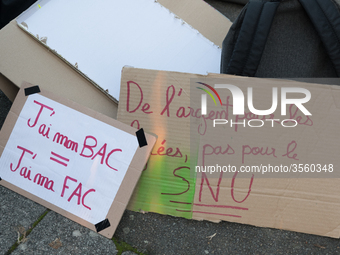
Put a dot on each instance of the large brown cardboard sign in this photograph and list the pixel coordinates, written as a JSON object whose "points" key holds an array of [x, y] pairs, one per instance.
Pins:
{"points": [[278, 170], [71, 159]]}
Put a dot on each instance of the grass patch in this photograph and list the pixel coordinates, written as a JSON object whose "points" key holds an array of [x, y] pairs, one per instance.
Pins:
{"points": [[37, 222], [123, 246]]}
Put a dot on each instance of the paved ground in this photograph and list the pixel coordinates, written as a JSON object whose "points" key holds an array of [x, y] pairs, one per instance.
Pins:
{"points": [[44, 232]]}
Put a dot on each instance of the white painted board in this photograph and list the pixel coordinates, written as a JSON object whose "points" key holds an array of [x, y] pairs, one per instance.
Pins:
{"points": [[103, 36]]}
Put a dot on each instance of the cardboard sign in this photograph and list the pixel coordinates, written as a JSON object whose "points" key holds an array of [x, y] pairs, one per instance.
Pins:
{"points": [[66, 157], [278, 170]]}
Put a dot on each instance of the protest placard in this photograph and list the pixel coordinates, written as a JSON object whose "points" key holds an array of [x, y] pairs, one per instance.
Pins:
{"points": [[71, 159], [279, 169]]}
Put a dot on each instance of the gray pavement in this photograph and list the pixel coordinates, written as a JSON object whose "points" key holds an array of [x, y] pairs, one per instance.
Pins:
{"points": [[45, 232], [56, 234]]}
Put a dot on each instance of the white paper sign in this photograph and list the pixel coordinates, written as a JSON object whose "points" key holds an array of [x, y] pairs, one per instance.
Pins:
{"points": [[67, 158]]}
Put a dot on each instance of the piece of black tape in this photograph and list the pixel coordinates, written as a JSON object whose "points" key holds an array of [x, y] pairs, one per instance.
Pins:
{"points": [[32, 90], [141, 138], [102, 225]]}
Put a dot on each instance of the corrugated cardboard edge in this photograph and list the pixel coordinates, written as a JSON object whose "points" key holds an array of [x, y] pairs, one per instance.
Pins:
{"points": [[23, 59], [130, 179], [201, 16]]}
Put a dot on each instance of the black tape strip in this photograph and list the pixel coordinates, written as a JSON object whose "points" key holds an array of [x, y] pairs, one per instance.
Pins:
{"points": [[32, 90], [141, 138], [102, 225]]}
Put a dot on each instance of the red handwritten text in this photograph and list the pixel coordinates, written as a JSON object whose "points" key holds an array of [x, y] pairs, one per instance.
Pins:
{"points": [[77, 192]]}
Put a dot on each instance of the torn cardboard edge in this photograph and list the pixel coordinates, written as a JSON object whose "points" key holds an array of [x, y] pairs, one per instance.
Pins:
{"points": [[201, 16], [109, 225]]}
